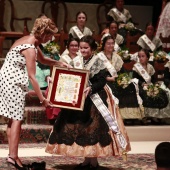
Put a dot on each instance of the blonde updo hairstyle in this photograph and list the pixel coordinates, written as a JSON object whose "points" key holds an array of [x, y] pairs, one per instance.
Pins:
{"points": [[43, 26]]}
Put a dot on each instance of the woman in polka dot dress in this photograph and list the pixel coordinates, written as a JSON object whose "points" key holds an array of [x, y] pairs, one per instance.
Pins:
{"points": [[19, 65]]}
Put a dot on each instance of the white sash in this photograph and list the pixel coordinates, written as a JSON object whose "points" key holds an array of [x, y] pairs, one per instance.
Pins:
{"points": [[110, 120], [75, 62], [78, 32], [149, 42], [108, 65], [119, 14], [143, 73], [116, 47], [135, 83]]}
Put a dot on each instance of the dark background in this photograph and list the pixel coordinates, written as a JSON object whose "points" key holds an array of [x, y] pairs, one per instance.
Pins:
{"points": [[157, 5]]}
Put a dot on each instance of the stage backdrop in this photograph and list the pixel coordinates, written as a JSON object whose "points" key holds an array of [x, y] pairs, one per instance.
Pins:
{"points": [[28, 8]]}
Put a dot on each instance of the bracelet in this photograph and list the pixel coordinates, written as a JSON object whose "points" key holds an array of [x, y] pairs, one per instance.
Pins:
{"points": [[42, 101]]}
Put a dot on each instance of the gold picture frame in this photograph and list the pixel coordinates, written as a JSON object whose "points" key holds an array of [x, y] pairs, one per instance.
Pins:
{"points": [[67, 88]]}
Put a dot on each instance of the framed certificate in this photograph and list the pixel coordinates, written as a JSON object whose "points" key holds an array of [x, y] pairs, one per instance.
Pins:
{"points": [[67, 88]]}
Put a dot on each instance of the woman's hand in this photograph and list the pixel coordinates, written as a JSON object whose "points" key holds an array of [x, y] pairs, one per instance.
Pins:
{"points": [[88, 90], [48, 80], [46, 103], [63, 64]]}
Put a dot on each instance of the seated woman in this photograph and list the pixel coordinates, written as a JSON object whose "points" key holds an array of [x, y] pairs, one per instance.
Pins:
{"points": [[154, 98], [149, 41], [72, 59], [119, 13], [86, 133], [123, 17], [129, 100], [80, 29], [113, 31]]}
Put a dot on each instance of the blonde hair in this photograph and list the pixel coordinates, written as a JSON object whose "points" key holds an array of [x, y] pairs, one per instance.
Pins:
{"points": [[43, 26]]}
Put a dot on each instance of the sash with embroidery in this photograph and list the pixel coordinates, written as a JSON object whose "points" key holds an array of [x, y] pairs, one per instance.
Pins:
{"points": [[108, 65], [149, 42], [78, 32], [120, 15], [143, 73], [76, 62]]}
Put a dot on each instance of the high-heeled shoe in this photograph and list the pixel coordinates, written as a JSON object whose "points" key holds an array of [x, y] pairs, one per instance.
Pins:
{"points": [[14, 163]]}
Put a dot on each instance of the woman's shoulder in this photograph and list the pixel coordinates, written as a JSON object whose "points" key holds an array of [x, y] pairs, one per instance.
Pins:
{"points": [[22, 46]]}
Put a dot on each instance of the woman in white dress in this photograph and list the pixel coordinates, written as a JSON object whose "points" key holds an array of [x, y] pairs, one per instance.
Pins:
{"points": [[19, 66]]}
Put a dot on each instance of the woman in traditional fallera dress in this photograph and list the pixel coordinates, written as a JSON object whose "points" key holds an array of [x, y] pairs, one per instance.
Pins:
{"points": [[80, 29], [149, 41], [113, 31], [130, 103], [155, 100], [119, 13], [86, 133]]}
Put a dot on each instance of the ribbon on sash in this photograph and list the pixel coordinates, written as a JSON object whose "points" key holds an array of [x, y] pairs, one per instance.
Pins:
{"points": [[148, 42], [108, 65], [78, 32], [143, 73]]}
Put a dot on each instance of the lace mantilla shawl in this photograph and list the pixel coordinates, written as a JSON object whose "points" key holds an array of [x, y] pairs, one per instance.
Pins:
{"points": [[116, 61], [164, 22], [95, 65], [150, 70]]}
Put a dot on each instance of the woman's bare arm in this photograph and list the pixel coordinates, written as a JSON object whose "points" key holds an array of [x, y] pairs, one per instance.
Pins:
{"points": [[30, 56]]}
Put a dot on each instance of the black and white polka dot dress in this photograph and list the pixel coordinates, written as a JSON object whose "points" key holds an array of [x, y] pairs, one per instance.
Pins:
{"points": [[14, 83]]}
